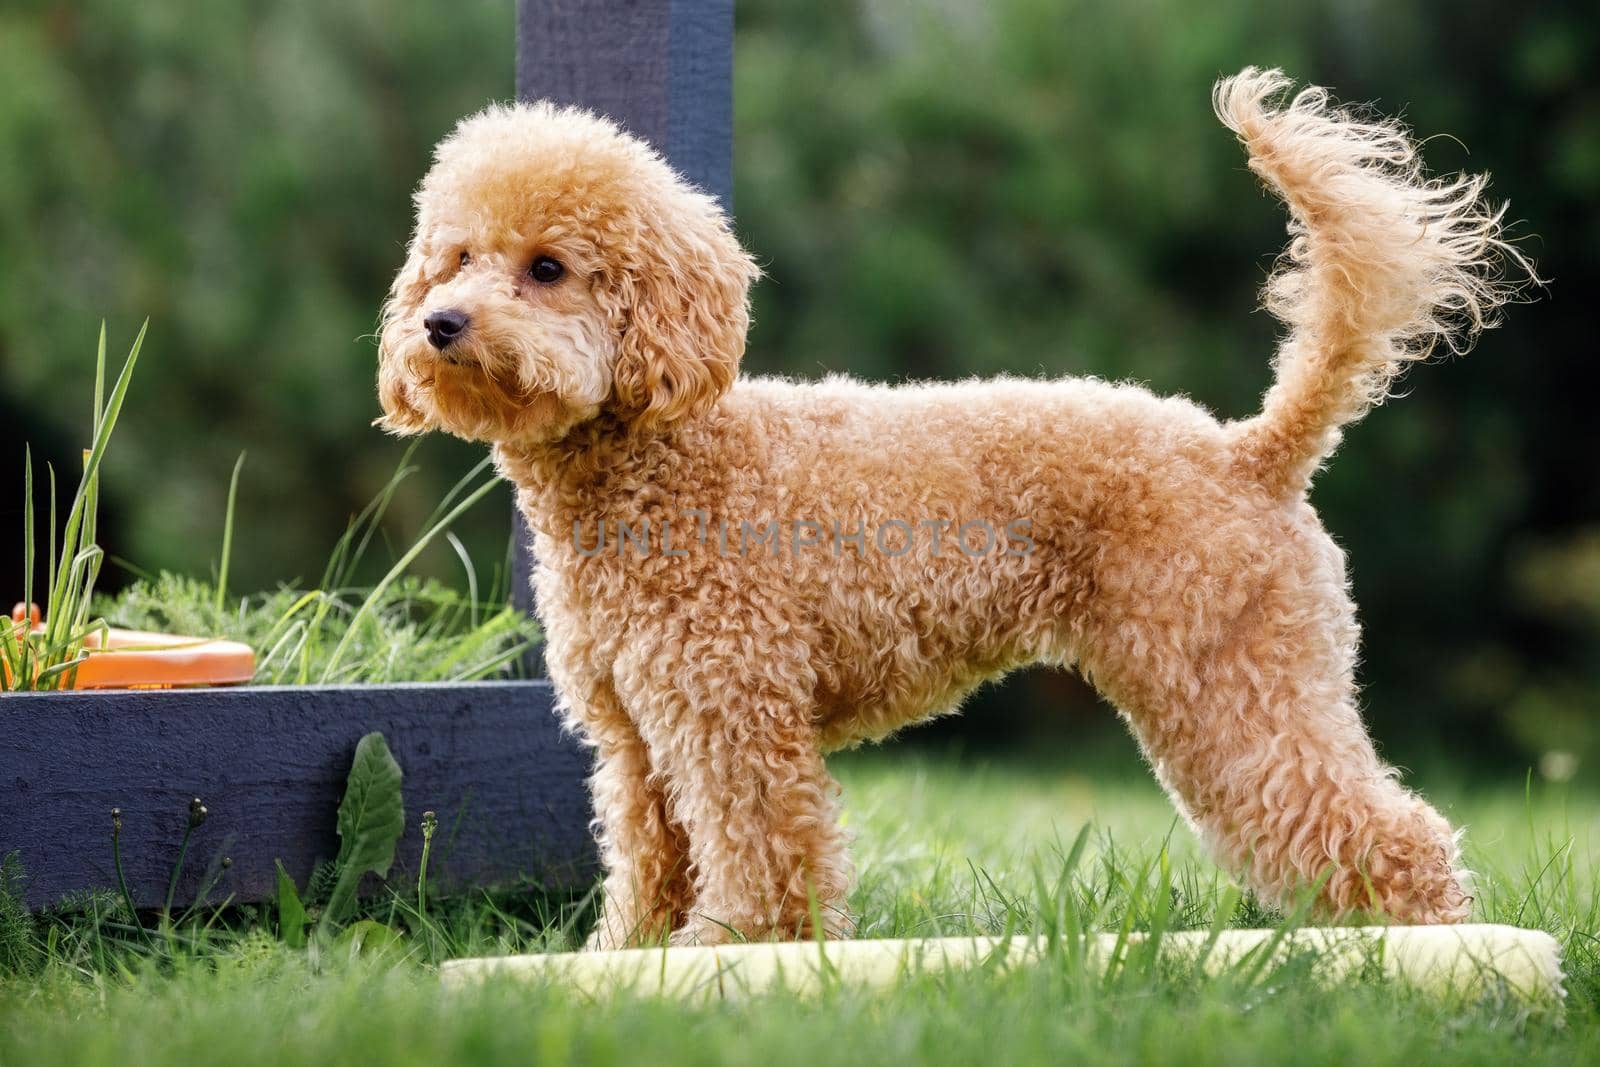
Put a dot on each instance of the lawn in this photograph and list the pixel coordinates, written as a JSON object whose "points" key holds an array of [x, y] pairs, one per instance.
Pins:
{"points": [[945, 845]]}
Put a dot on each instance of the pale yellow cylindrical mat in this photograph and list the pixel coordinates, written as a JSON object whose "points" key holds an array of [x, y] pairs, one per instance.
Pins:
{"points": [[1460, 959]]}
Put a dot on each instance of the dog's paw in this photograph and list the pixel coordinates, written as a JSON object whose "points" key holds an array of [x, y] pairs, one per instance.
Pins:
{"points": [[698, 930]]}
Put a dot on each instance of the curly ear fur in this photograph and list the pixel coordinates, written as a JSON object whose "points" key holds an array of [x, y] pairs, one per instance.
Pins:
{"points": [[681, 305], [401, 415]]}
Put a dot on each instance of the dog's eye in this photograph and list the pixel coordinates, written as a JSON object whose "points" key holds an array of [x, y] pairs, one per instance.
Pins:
{"points": [[546, 270], [466, 257]]}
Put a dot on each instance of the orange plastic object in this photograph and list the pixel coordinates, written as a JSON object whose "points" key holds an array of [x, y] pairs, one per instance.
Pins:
{"points": [[131, 659]]}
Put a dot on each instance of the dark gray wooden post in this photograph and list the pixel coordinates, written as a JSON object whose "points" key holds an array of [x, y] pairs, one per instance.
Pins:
{"points": [[661, 68]]}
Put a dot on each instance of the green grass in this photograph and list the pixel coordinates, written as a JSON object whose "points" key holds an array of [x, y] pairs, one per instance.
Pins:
{"points": [[944, 846], [412, 630], [398, 629]]}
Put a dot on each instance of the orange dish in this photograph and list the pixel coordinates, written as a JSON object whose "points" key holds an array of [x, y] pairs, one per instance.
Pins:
{"points": [[131, 659]]}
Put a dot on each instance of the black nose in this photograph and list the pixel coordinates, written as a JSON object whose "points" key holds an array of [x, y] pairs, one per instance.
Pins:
{"points": [[445, 326]]}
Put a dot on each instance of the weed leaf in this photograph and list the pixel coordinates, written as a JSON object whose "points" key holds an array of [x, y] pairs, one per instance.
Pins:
{"points": [[370, 938], [291, 913], [372, 817]]}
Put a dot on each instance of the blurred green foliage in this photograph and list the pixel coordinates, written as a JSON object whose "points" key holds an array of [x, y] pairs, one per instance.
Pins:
{"points": [[935, 188]]}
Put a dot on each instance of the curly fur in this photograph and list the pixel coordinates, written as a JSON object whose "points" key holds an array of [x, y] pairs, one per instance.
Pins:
{"points": [[1175, 560]]}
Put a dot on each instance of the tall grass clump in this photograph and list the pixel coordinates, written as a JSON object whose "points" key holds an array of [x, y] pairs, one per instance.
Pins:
{"points": [[48, 658], [339, 631]]}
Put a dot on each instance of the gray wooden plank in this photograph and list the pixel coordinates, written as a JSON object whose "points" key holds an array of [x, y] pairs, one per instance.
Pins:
{"points": [[270, 764]]}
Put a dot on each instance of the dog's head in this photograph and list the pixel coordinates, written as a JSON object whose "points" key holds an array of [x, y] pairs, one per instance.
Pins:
{"points": [[559, 269]]}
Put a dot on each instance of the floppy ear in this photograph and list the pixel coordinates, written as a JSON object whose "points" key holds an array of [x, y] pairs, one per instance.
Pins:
{"points": [[400, 413], [681, 301], [400, 416]]}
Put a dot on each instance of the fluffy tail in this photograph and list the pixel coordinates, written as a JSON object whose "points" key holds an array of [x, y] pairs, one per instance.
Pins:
{"points": [[1383, 264]]}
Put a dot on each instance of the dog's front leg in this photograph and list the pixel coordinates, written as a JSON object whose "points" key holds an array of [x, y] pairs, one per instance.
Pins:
{"points": [[644, 851], [747, 780]]}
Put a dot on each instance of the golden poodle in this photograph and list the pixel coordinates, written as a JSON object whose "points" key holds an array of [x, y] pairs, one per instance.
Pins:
{"points": [[737, 576]]}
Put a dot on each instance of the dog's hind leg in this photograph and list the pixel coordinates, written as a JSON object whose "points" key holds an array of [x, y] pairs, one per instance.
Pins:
{"points": [[1259, 742], [746, 777], [643, 849]]}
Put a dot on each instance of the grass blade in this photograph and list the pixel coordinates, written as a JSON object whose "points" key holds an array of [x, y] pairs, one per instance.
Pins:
{"points": [[399, 568], [27, 525], [481, 467], [75, 518], [99, 379], [344, 561], [472, 574], [227, 533], [50, 571]]}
